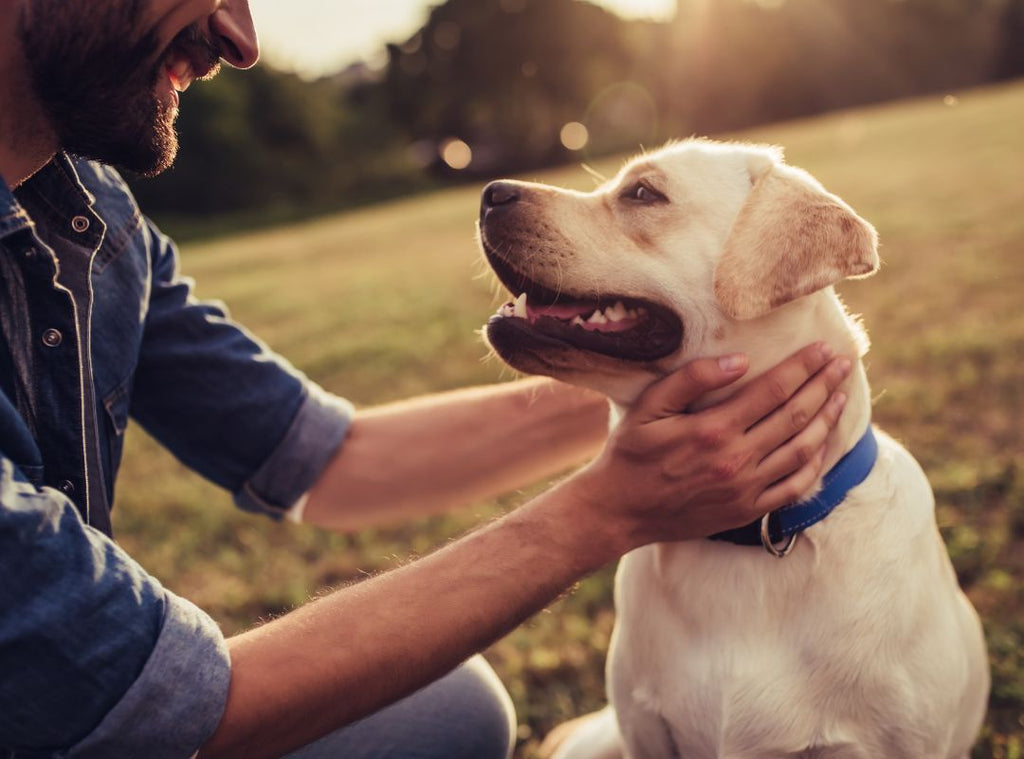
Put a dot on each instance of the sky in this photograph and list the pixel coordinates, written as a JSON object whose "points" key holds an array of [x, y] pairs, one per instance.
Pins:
{"points": [[317, 37]]}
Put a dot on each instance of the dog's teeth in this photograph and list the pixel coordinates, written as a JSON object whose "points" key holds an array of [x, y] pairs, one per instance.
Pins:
{"points": [[577, 321], [615, 313], [597, 318], [631, 314], [519, 309]]}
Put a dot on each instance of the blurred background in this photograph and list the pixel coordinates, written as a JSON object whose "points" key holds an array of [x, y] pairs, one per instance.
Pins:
{"points": [[358, 102], [329, 197]]}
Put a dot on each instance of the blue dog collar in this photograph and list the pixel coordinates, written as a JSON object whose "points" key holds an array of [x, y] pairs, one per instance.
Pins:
{"points": [[789, 521]]}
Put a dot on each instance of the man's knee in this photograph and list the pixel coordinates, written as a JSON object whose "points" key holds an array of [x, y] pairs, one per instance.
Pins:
{"points": [[465, 715], [482, 712]]}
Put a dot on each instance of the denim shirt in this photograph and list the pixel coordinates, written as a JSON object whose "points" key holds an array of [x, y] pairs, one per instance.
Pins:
{"points": [[98, 660]]}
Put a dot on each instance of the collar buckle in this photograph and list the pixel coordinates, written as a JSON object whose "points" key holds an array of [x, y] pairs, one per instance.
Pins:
{"points": [[781, 550]]}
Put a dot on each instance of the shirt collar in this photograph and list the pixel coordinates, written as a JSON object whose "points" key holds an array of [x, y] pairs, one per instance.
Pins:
{"points": [[59, 184], [13, 217], [56, 184]]}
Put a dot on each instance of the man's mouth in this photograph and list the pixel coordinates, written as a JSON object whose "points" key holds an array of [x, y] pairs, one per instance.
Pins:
{"points": [[190, 57], [620, 326], [179, 71]]}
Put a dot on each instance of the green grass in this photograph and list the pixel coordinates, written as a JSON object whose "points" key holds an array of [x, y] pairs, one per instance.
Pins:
{"points": [[385, 302]]}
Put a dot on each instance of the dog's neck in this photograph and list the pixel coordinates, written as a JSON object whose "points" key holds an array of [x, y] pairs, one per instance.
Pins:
{"points": [[786, 330]]}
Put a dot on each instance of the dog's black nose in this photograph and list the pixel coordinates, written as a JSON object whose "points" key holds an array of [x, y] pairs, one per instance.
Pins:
{"points": [[500, 194]]}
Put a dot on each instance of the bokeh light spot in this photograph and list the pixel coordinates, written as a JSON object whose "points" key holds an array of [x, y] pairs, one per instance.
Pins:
{"points": [[951, 100], [456, 153], [575, 136]]}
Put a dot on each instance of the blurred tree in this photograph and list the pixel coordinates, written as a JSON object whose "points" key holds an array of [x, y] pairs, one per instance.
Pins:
{"points": [[1009, 62], [266, 140], [744, 62], [506, 75]]}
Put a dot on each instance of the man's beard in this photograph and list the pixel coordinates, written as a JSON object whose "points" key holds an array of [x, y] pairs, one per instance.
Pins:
{"points": [[97, 83]]}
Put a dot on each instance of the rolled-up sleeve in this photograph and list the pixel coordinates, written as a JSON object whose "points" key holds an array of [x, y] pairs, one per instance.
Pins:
{"points": [[223, 402], [98, 659], [291, 469]]}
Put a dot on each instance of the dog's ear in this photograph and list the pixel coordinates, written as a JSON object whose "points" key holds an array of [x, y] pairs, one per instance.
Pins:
{"points": [[790, 238]]}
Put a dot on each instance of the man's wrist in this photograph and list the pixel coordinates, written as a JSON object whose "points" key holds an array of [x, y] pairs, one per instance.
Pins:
{"points": [[572, 518]]}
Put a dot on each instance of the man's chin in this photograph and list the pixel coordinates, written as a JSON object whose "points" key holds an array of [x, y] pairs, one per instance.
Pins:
{"points": [[145, 163], [155, 164], [146, 152]]}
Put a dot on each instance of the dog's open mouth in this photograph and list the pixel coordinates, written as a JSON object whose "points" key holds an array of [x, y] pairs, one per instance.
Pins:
{"points": [[622, 327]]}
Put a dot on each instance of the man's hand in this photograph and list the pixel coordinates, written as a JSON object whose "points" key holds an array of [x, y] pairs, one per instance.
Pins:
{"points": [[670, 475]]}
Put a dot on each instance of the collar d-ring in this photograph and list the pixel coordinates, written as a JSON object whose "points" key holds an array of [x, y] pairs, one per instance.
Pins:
{"points": [[780, 551]]}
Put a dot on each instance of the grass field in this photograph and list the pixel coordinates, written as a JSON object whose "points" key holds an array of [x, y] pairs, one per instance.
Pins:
{"points": [[385, 302]]}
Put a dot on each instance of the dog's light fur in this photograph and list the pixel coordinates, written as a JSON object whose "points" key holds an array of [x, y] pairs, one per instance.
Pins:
{"points": [[860, 643]]}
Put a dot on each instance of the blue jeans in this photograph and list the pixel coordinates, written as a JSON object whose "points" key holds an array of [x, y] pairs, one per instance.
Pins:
{"points": [[465, 715]]}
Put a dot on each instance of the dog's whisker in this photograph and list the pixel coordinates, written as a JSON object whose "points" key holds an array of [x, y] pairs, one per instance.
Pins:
{"points": [[597, 176]]}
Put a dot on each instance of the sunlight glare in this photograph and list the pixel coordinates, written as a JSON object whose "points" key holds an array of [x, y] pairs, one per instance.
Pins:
{"points": [[657, 9], [318, 37]]}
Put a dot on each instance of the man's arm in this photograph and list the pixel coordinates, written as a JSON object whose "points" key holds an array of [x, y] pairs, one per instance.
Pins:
{"points": [[89, 642], [663, 476], [239, 414], [440, 452]]}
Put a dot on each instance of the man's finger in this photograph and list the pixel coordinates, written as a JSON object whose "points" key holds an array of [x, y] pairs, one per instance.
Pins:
{"points": [[773, 388], [794, 416], [800, 450], [678, 390], [790, 489]]}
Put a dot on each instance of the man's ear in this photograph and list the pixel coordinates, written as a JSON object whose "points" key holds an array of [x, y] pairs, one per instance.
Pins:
{"points": [[790, 238]]}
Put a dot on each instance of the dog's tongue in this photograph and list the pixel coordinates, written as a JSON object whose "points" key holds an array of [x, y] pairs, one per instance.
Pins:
{"points": [[564, 311], [588, 316]]}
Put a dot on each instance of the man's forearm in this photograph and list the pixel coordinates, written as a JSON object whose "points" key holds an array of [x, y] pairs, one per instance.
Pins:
{"points": [[350, 653], [441, 452], [663, 476]]}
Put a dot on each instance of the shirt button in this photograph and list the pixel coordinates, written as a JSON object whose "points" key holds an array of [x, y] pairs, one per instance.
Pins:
{"points": [[80, 224], [29, 253], [67, 488], [52, 338]]}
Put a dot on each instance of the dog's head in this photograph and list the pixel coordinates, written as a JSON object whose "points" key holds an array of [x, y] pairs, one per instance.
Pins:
{"points": [[619, 286]]}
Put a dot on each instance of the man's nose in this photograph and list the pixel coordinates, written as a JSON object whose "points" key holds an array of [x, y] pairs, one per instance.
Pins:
{"points": [[233, 30]]}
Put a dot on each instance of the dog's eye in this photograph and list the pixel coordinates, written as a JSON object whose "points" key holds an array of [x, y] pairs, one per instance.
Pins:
{"points": [[642, 192]]}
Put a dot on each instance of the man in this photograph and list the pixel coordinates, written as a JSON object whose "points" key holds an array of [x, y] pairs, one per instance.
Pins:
{"points": [[98, 660]]}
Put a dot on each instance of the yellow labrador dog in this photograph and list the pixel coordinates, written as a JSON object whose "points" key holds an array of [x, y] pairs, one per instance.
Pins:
{"points": [[849, 636]]}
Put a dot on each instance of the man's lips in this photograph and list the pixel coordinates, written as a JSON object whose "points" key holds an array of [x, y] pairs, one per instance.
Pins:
{"points": [[190, 57], [179, 72]]}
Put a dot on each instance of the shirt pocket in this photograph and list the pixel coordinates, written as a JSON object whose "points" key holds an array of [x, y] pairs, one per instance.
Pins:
{"points": [[116, 404]]}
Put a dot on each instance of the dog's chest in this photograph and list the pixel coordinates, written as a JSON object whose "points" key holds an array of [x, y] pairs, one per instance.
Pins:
{"points": [[734, 653], [730, 668]]}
